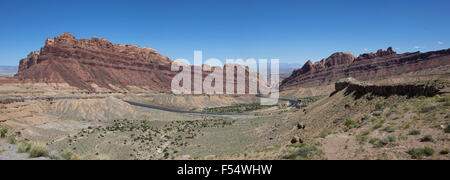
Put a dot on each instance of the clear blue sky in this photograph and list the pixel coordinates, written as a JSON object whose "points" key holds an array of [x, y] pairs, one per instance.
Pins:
{"points": [[292, 31]]}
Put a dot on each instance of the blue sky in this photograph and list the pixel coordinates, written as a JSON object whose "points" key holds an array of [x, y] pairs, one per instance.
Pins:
{"points": [[293, 31]]}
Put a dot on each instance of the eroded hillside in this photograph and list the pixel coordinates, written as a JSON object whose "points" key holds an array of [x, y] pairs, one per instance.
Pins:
{"points": [[349, 125]]}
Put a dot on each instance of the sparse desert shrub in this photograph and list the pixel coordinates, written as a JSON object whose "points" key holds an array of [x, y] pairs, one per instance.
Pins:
{"points": [[325, 133], [380, 106], [3, 131], [428, 151], [414, 132], [444, 99], [418, 153], [444, 152], [378, 125], [302, 152], [406, 108], [389, 113], [366, 117], [446, 104], [38, 149], [363, 137], [377, 113], [12, 140], [350, 123], [402, 137], [447, 129], [71, 156], [378, 143], [390, 138], [23, 147], [389, 129], [427, 108], [427, 138]]}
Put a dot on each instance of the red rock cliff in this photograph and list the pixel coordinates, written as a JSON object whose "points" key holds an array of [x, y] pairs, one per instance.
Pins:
{"points": [[369, 66], [84, 62]]}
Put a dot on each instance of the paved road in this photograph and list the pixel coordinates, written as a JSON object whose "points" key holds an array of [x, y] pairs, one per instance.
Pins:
{"points": [[293, 103], [179, 111]]}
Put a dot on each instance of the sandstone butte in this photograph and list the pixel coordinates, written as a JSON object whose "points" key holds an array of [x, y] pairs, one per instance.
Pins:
{"points": [[83, 63], [382, 64]]}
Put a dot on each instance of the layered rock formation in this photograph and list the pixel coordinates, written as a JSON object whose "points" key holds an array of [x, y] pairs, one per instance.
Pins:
{"points": [[351, 85], [85, 62], [90, 64], [365, 67]]}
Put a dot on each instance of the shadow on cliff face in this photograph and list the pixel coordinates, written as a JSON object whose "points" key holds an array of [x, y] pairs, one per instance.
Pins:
{"points": [[411, 90]]}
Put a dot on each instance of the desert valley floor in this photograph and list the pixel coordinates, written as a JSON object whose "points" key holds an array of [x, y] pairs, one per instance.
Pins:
{"points": [[325, 124]]}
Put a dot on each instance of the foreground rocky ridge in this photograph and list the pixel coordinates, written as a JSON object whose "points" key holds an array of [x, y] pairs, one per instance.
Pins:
{"points": [[365, 67]]}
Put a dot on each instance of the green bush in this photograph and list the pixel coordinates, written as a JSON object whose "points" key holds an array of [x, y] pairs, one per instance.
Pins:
{"points": [[427, 138], [380, 106], [447, 104], [3, 131], [23, 147], [363, 137], [389, 129], [12, 140], [378, 125], [447, 129], [37, 149], [428, 151], [378, 143], [301, 153], [418, 153], [325, 133], [390, 138], [444, 99], [414, 132], [366, 117], [350, 123]]}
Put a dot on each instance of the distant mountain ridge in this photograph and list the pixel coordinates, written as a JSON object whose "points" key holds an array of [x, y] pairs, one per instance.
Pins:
{"points": [[382, 64], [8, 70]]}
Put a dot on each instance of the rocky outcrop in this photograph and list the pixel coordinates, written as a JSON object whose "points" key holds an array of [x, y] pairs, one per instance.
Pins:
{"points": [[382, 64], [89, 64], [29, 61], [84, 62], [411, 90]]}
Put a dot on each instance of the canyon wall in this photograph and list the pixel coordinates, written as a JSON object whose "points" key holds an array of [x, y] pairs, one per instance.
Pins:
{"points": [[89, 64], [366, 67]]}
